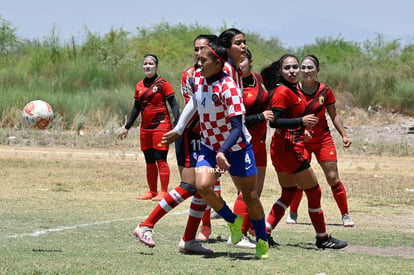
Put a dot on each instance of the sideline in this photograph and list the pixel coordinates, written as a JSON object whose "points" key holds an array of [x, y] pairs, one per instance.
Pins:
{"points": [[75, 152], [82, 225]]}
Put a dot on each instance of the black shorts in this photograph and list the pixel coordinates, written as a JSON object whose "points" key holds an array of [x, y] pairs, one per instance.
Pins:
{"points": [[187, 148]]}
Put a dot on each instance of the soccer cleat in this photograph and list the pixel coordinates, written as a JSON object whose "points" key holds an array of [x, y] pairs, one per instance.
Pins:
{"points": [[193, 247], [204, 234], [271, 241], [147, 196], [235, 229], [160, 196], [145, 234], [330, 242], [214, 215], [292, 218], [347, 221], [245, 242], [262, 249]]}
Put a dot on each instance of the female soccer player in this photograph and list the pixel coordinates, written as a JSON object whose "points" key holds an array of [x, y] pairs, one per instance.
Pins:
{"points": [[225, 143], [256, 101], [287, 148], [151, 95], [235, 43], [187, 150], [320, 99]]}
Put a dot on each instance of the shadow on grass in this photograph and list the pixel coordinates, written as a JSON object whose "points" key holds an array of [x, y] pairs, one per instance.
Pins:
{"points": [[246, 256], [307, 246], [146, 253], [229, 255]]}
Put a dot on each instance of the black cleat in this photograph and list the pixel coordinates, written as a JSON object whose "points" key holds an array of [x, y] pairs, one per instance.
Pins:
{"points": [[330, 242], [271, 241]]}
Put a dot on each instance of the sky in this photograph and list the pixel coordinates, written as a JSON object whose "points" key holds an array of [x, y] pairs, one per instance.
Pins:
{"points": [[295, 23]]}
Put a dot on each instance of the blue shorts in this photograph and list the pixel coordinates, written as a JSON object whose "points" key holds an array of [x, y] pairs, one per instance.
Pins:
{"points": [[242, 162]]}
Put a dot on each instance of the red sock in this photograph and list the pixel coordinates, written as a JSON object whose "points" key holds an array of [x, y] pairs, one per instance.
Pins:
{"points": [[164, 174], [279, 208], [168, 203], [197, 207], [339, 194], [294, 205], [315, 210], [206, 220], [152, 176], [240, 207]]}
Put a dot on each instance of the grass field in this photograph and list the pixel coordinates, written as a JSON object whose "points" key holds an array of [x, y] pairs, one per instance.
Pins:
{"points": [[73, 210]]}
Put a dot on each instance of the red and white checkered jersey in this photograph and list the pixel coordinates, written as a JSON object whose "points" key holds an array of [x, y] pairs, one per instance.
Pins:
{"points": [[216, 103], [187, 83], [234, 73]]}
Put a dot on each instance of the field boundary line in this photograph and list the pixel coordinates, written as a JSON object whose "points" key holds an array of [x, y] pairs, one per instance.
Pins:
{"points": [[86, 152], [81, 225]]}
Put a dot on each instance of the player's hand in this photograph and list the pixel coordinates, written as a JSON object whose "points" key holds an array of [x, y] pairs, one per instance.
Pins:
{"points": [[169, 137], [307, 135], [222, 162], [268, 115], [123, 134], [309, 121], [347, 142]]}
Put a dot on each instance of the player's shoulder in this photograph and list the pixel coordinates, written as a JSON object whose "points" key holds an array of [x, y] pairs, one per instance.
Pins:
{"points": [[189, 71], [225, 78]]}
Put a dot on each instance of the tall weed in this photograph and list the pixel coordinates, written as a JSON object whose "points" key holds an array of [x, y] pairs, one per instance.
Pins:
{"points": [[81, 79]]}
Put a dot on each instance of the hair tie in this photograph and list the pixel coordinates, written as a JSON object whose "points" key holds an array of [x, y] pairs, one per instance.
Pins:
{"points": [[313, 60], [215, 53]]}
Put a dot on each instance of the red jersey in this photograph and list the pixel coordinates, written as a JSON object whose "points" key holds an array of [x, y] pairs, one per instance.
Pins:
{"points": [[256, 100], [153, 100], [293, 105], [316, 104]]}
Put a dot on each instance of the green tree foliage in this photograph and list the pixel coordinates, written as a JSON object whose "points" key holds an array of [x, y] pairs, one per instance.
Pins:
{"points": [[8, 37], [93, 77]]}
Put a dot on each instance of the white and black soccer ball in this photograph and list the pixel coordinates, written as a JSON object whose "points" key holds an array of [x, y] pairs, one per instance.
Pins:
{"points": [[38, 114]]}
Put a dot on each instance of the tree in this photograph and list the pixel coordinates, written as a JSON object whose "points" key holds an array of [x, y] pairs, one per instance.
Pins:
{"points": [[8, 37]]}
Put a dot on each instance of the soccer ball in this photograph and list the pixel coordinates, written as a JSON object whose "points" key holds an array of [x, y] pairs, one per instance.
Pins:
{"points": [[38, 114]]}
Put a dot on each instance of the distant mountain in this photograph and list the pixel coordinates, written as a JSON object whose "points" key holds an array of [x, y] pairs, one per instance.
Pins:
{"points": [[299, 32]]}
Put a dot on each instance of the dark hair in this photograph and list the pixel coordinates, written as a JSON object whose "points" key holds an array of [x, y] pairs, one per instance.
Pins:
{"points": [[153, 56], [313, 58], [249, 54], [227, 36], [271, 75], [217, 51], [209, 37]]}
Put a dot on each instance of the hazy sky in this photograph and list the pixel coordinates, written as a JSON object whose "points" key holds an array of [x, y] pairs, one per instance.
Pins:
{"points": [[295, 22]]}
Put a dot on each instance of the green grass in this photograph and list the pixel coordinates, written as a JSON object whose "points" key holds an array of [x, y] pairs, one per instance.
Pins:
{"points": [[73, 211]]}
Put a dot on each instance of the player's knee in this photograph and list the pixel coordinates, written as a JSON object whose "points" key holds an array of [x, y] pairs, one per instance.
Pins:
{"points": [[188, 187], [332, 178]]}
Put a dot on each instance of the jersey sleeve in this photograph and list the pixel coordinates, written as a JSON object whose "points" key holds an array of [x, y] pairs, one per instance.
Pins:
{"points": [[330, 98], [167, 89], [187, 84], [232, 98], [279, 99]]}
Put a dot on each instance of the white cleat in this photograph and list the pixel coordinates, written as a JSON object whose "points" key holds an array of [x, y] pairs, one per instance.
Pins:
{"points": [[245, 242], [193, 247], [145, 235], [347, 221], [292, 218]]}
